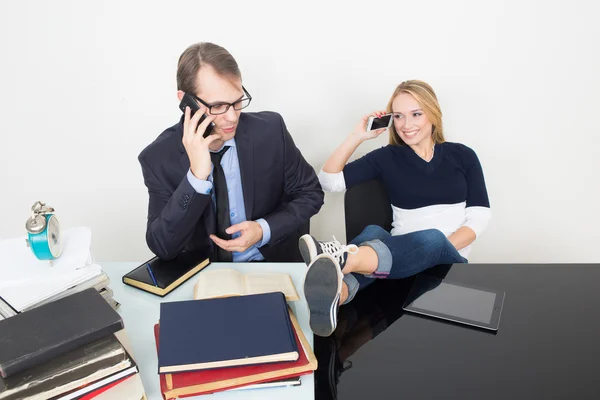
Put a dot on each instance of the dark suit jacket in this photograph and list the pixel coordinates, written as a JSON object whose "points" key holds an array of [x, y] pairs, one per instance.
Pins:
{"points": [[277, 182]]}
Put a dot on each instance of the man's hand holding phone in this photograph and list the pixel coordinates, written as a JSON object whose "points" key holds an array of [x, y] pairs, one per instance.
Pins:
{"points": [[195, 144]]}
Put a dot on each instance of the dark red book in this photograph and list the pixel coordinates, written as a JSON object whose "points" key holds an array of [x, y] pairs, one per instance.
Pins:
{"points": [[103, 389]]}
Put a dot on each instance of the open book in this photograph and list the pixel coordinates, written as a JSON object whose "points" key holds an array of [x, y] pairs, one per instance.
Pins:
{"points": [[229, 282]]}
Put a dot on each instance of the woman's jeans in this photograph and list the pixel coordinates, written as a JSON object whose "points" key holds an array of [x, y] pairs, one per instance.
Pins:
{"points": [[401, 256]]}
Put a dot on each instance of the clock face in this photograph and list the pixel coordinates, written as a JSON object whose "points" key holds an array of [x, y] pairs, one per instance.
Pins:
{"points": [[54, 237]]}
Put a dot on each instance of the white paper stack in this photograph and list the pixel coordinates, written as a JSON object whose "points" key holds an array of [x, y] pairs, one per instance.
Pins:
{"points": [[26, 282]]}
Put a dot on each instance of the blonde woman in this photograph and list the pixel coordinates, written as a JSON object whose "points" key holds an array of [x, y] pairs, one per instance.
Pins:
{"points": [[439, 202]]}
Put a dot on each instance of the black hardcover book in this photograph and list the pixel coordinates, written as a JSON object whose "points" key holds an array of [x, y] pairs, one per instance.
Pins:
{"points": [[53, 329], [85, 367], [160, 277]]}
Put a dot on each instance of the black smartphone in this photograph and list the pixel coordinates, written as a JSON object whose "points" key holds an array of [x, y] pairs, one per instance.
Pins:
{"points": [[191, 102], [374, 123]]}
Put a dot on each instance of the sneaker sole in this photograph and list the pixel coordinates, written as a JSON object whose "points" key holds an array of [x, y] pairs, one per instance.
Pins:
{"points": [[307, 248], [321, 287]]}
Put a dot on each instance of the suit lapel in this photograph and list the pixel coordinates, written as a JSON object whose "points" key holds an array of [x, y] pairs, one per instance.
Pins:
{"points": [[245, 150]]}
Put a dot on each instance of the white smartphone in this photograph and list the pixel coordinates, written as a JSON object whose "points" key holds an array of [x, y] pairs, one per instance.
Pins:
{"points": [[375, 123]]}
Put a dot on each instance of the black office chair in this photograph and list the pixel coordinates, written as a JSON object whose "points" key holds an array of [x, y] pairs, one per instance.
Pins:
{"points": [[367, 204], [293, 253]]}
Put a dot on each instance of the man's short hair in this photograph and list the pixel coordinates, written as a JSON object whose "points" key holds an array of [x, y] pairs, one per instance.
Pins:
{"points": [[198, 55]]}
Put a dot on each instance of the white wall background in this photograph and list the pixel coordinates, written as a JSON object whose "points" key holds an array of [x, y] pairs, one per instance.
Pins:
{"points": [[85, 85]]}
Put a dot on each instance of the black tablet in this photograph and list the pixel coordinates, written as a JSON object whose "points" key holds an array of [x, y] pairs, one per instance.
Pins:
{"points": [[455, 302]]}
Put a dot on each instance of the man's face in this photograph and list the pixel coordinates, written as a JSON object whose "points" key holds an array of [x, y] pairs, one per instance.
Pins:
{"points": [[221, 90]]}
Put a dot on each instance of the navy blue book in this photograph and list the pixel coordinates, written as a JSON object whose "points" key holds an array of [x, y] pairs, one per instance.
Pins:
{"points": [[225, 332]]}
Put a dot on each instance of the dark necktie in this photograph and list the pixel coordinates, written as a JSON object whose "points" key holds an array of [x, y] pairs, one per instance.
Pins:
{"points": [[222, 200]]}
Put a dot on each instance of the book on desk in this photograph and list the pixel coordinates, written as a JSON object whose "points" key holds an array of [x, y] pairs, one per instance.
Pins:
{"points": [[38, 335], [100, 363], [161, 277], [180, 384], [65, 349], [225, 332], [227, 282]]}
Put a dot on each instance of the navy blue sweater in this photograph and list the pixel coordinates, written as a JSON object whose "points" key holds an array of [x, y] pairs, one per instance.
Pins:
{"points": [[454, 175]]}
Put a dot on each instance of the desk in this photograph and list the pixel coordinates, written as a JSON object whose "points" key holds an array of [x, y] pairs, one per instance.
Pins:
{"points": [[547, 345], [140, 311]]}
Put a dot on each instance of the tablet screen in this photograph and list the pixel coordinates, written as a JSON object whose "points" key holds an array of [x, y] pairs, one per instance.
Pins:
{"points": [[459, 301], [448, 300]]}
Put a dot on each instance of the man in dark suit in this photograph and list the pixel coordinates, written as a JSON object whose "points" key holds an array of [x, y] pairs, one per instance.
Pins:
{"points": [[243, 193]]}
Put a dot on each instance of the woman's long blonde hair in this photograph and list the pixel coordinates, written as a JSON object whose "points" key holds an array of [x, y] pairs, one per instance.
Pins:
{"points": [[425, 96]]}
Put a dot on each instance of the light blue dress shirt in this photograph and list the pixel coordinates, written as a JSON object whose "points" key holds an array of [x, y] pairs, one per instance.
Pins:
{"points": [[237, 210]]}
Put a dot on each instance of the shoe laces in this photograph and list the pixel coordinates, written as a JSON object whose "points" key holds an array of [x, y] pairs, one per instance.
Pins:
{"points": [[337, 250]]}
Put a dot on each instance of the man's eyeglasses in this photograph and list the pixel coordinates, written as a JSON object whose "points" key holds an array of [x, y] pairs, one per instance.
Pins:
{"points": [[222, 108]]}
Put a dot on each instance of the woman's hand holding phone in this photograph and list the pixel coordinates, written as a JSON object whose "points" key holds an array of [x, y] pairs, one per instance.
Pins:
{"points": [[361, 132], [336, 162], [196, 146]]}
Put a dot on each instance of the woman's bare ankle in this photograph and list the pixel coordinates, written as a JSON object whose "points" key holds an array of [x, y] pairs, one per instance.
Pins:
{"points": [[363, 262], [351, 264]]}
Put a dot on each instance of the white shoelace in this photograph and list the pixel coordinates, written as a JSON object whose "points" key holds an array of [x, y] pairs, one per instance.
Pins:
{"points": [[337, 250]]}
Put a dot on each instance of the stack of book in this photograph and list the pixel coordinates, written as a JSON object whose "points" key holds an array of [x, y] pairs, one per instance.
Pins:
{"points": [[27, 283], [230, 343], [71, 348]]}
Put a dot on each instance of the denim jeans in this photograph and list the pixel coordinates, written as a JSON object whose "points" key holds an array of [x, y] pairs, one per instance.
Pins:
{"points": [[401, 256]]}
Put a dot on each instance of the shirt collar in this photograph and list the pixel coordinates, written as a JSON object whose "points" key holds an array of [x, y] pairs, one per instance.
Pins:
{"points": [[230, 142]]}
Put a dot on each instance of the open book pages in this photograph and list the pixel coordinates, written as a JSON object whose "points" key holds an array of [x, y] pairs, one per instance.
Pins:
{"points": [[229, 282]]}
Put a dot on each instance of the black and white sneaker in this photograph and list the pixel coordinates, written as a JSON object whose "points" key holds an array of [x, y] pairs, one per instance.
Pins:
{"points": [[322, 288], [310, 248]]}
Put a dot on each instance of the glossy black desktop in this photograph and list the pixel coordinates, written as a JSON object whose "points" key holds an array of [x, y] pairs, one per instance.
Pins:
{"points": [[547, 345]]}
